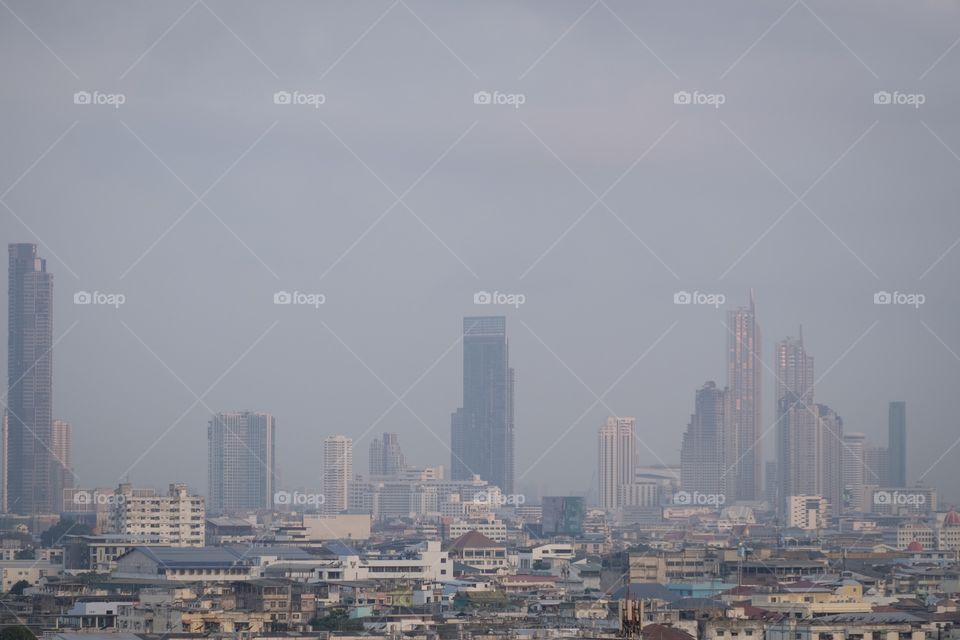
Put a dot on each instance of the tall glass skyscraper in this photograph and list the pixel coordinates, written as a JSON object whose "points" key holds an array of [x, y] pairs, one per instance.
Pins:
{"points": [[744, 368], [240, 462], [482, 429], [32, 478]]}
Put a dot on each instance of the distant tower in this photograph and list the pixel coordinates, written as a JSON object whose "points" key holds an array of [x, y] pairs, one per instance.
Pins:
{"points": [[61, 450], [337, 473], [482, 430], [897, 444], [240, 462], [32, 478], [798, 426], [830, 430], [854, 474], [703, 455], [617, 456], [744, 368], [386, 456]]}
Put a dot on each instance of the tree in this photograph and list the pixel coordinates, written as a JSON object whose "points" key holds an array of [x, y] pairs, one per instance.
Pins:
{"points": [[18, 587], [336, 620], [64, 527], [17, 632]]}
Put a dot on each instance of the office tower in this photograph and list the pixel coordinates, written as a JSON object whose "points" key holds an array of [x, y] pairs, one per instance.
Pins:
{"points": [[853, 472], [798, 426], [176, 518], [771, 486], [830, 429], [61, 449], [337, 473], [617, 459], [386, 457], [241, 468], [31, 477], [482, 429], [704, 453], [897, 444], [876, 466], [744, 369]]}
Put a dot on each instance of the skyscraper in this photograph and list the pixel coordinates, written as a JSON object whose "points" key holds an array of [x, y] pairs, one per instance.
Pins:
{"points": [[241, 469], [337, 473], [744, 369], [798, 426], [61, 449], [704, 453], [854, 474], [482, 429], [617, 459], [830, 430], [386, 457], [897, 444], [32, 478]]}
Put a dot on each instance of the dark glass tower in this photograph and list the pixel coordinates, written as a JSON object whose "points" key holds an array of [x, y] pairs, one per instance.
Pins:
{"points": [[482, 429], [897, 444], [32, 478]]}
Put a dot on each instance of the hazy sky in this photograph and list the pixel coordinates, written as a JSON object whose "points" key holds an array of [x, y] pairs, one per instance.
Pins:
{"points": [[198, 198]]}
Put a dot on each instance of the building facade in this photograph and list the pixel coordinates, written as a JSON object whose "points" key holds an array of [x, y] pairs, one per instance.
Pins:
{"points": [[617, 459], [176, 518], [337, 473], [744, 368], [241, 463]]}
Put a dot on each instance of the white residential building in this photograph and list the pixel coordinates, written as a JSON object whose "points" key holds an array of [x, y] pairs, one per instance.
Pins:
{"points": [[337, 473], [807, 512], [176, 519]]}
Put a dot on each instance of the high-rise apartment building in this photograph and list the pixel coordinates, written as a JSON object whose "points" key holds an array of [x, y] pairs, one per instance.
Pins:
{"points": [[61, 450], [744, 369], [705, 452], [32, 480], [799, 443], [337, 473], [853, 471], [830, 430], [617, 457], [241, 464], [386, 456], [897, 444], [482, 429]]}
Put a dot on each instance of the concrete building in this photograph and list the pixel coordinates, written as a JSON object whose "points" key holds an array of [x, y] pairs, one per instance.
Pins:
{"points": [[897, 444], [799, 440], [617, 459], [807, 512], [705, 452], [337, 473], [176, 518], [386, 456]]}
